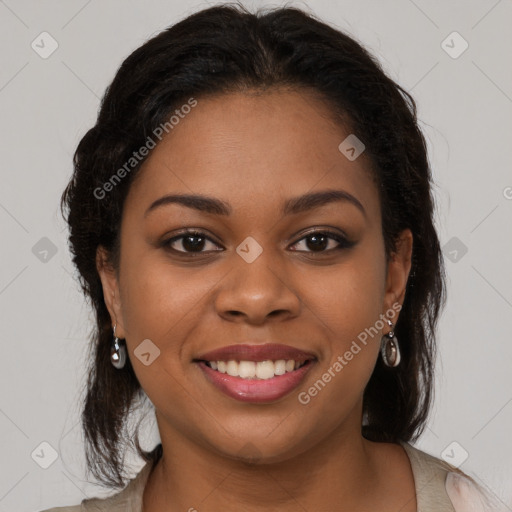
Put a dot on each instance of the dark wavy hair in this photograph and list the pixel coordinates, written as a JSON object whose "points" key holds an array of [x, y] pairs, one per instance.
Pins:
{"points": [[226, 49]]}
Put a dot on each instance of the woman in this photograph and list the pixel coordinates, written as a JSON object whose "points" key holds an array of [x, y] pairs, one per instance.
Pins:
{"points": [[252, 219]]}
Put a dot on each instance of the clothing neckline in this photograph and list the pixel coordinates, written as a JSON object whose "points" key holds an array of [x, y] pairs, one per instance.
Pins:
{"points": [[429, 475]]}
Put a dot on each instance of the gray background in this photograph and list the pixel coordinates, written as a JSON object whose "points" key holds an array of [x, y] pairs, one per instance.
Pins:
{"points": [[465, 106]]}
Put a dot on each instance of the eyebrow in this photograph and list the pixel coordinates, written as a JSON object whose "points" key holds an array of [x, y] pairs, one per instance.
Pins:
{"points": [[292, 206]]}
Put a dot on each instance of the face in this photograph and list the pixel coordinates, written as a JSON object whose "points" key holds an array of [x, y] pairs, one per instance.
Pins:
{"points": [[310, 275]]}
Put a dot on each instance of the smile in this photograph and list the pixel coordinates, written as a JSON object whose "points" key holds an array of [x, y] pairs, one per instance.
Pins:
{"points": [[269, 388], [261, 370]]}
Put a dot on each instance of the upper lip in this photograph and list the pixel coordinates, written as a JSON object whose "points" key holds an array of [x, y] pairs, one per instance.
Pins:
{"points": [[251, 352]]}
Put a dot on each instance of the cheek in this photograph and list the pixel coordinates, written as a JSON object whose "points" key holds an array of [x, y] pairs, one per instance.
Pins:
{"points": [[349, 297], [160, 302], [348, 300], [159, 297]]}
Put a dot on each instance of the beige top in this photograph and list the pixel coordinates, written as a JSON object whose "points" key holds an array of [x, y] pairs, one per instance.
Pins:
{"points": [[435, 482]]}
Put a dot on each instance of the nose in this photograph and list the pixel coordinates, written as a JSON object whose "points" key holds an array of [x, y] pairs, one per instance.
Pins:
{"points": [[256, 292]]}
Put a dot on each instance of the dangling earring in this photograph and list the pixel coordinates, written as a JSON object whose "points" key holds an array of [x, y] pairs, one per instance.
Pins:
{"points": [[117, 352], [389, 348]]}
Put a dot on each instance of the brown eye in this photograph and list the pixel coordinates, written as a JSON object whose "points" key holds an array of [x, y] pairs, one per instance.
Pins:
{"points": [[196, 242], [189, 242], [319, 241]]}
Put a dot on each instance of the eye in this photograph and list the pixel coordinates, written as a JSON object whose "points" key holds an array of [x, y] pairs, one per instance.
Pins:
{"points": [[194, 241], [319, 241], [190, 242]]}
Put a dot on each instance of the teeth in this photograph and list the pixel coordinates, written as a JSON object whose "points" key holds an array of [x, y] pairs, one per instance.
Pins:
{"points": [[247, 369], [232, 368], [252, 369], [280, 367], [265, 369]]}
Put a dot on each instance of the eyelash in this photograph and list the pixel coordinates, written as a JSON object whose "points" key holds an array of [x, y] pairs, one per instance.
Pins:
{"points": [[344, 243]]}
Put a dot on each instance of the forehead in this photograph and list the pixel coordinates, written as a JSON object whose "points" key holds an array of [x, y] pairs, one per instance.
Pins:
{"points": [[250, 148]]}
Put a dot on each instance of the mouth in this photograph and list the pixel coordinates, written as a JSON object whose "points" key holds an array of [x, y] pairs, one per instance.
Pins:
{"points": [[256, 373], [256, 370]]}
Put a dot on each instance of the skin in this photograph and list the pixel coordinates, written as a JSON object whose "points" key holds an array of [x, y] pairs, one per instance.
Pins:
{"points": [[255, 151]]}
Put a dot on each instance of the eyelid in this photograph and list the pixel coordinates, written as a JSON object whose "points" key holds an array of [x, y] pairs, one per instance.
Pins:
{"points": [[344, 242], [328, 230], [166, 243]]}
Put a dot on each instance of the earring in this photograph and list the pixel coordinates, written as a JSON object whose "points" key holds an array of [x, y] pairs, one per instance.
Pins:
{"points": [[117, 352], [389, 348]]}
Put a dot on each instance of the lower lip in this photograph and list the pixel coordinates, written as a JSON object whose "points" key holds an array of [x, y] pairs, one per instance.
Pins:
{"points": [[256, 390]]}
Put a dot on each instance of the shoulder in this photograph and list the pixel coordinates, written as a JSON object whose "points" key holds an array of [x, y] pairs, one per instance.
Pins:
{"points": [[73, 508], [429, 475], [441, 484], [468, 496], [128, 499]]}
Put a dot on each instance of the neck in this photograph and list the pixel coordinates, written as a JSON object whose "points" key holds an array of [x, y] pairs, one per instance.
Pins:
{"points": [[339, 470]]}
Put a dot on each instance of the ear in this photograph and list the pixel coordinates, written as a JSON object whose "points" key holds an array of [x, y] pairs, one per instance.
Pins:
{"points": [[110, 284], [399, 267]]}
